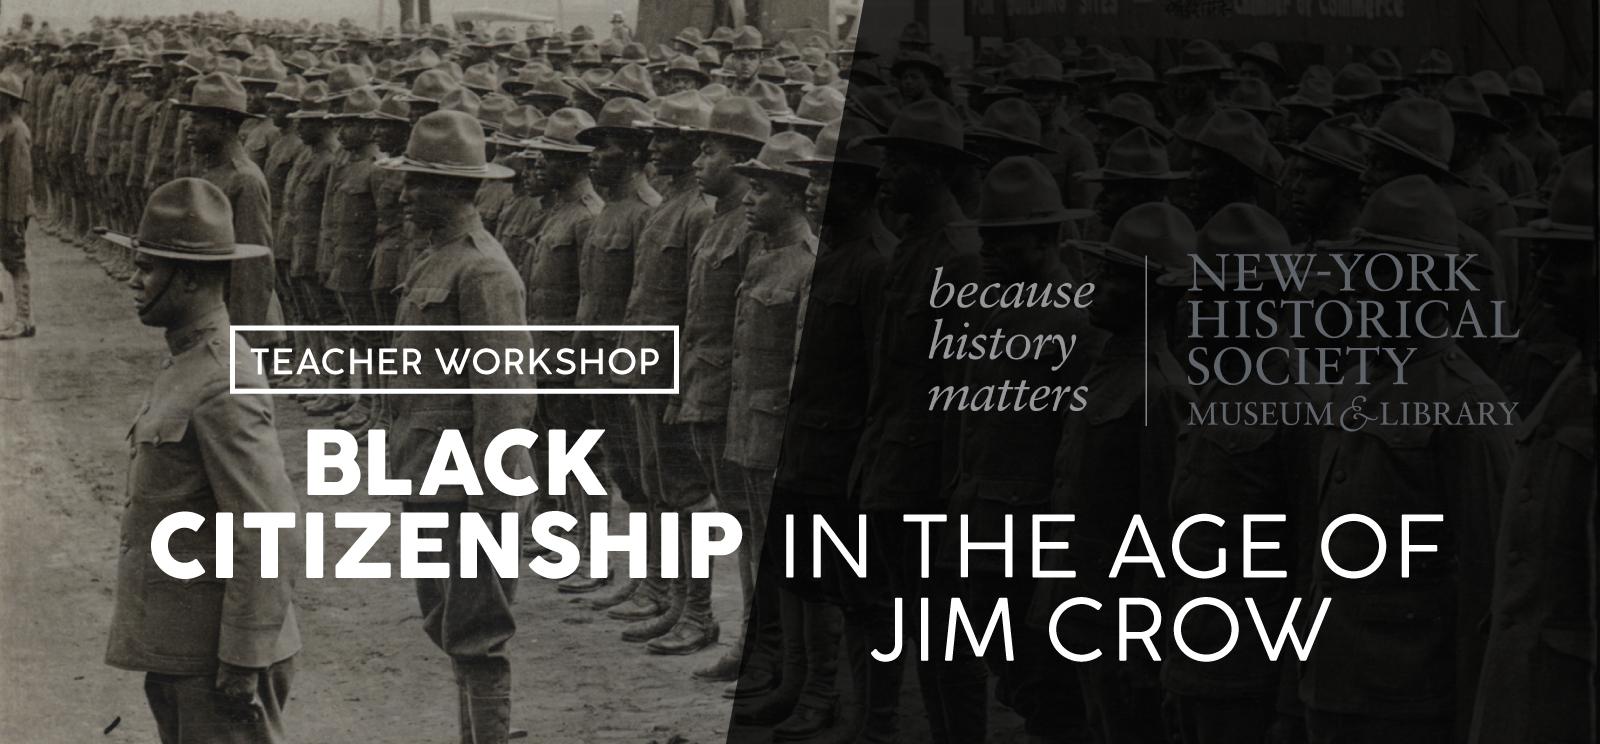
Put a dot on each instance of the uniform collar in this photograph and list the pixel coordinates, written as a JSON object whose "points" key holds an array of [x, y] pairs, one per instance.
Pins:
{"points": [[197, 331], [462, 223], [577, 191]]}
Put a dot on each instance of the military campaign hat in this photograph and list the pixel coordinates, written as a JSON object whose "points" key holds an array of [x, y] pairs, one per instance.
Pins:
{"points": [[746, 39], [1419, 128], [262, 70], [776, 159], [922, 61], [1312, 93], [1035, 71], [1235, 229], [587, 55], [1154, 236], [289, 89], [683, 64], [1130, 108], [632, 80], [1130, 71], [1334, 143], [1466, 104], [714, 92], [431, 86], [817, 107], [770, 97], [313, 101], [1386, 65], [1241, 137], [617, 119], [1435, 63], [301, 60], [11, 85], [1252, 95], [1571, 217], [1406, 215], [1199, 56], [1263, 53], [447, 143], [841, 143], [1020, 192], [1525, 82], [708, 57], [1012, 125], [526, 78], [721, 39], [218, 93], [1357, 82], [492, 110], [1579, 111], [771, 70], [685, 111], [875, 104], [1096, 64], [740, 118], [516, 56], [1135, 156], [481, 78], [393, 108], [361, 103], [610, 48], [462, 100], [927, 123], [690, 35], [561, 130], [422, 60], [632, 53], [798, 75], [518, 126], [188, 219]]}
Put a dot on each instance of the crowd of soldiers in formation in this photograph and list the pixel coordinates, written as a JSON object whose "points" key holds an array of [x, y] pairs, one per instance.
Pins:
{"points": [[733, 186]]}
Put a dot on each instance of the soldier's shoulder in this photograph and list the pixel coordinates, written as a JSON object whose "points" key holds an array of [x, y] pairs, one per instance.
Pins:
{"points": [[591, 203]]}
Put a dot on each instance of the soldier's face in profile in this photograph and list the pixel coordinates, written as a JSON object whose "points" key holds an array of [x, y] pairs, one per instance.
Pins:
{"points": [[713, 169], [430, 201], [207, 132], [1312, 188], [673, 153], [1119, 297], [354, 134], [678, 82], [1044, 99], [312, 130], [817, 194], [548, 172], [913, 84], [770, 203], [1250, 69], [1191, 90], [612, 162], [151, 281], [908, 179], [392, 136], [1384, 165]]}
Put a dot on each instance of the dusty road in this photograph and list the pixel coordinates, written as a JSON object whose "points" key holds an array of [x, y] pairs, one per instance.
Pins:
{"points": [[367, 673]]}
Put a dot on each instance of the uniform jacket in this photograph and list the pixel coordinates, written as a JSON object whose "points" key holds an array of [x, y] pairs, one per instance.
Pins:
{"points": [[307, 187], [462, 277], [1392, 647], [251, 283], [1538, 669], [605, 265], [828, 399], [715, 266], [550, 266], [767, 319], [392, 231], [660, 290], [196, 447], [355, 226], [16, 169]]}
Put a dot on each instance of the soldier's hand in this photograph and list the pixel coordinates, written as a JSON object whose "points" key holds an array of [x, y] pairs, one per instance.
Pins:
{"points": [[237, 685]]}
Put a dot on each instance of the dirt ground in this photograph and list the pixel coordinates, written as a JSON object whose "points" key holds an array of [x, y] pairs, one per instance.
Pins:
{"points": [[367, 672]]}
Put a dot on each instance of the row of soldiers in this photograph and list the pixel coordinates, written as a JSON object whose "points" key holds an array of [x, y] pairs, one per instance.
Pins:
{"points": [[733, 187]]}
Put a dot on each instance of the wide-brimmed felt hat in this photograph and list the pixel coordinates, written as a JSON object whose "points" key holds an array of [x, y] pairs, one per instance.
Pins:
{"points": [[1135, 156], [587, 55], [1020, 192], [447, 143], [715, 92], [314, 101], [361, 103], [1435, 63], [1096, 64], [1407, 215], [631, 80], [1492, 85], [690, 35], [1387, 66], [1200, 56], [632, 53], [1466, 104], [301, 60], [393, 108], [262, 70], [610, 48], [1332, 142], [346, 79], [1251, 94], [431, 86], [1525, 82], [684, 111], [616, 119], [1240, 136], [240, 47], [771, 70], [841, 143], [11, 85], [683, 64], [549, 85], [1263, 53], [1236, 229], [518, 127], [289, 89], [817, 107], [526, 78], [219, 94], [1134, 72], [798, 75], [1036, 70], [929, 123], [746, 39], [462, 100], [1154, 236], [708, 57], [777, 156], [919, 60], [1313, 93], [587, 83], [482, 78], [561, 130], [188, 219], [1579, 111], [1419, 128], [1132, 109], [1013, 125], [492, 110], [1356, 83], [740, 118], [770, 97], [1571, 216]]}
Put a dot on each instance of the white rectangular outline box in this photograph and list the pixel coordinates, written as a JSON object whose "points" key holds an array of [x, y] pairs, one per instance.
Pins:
{"points": [[234, 330]]}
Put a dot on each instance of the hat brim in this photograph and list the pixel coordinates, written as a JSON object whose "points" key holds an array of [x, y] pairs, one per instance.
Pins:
{"points": [[1489, 122], [1145, 83], [1108, 252], [815, 164], [1324, 157], [1100, 175], [1195, 69], [1154, 127], [761, 170], [485, 172], [1019, 145], [1054, 218], [13, 94], [1381, 137], [889, 140], [546, 145], [1544, 229], [310, 115], [236, 252], [215, 110], [594, 134]]}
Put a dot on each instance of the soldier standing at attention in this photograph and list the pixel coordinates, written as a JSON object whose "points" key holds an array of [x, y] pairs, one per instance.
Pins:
{"points": [[216, 107], [461, 278], [218, 654], [16, 187]]}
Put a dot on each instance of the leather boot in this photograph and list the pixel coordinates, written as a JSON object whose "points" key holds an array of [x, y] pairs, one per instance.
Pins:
{"points": [[696, 627], [725, 668], [777, 704], [22, 325], [763, 666], [487, 688], [646, 630], [624, 591], [583, 580], [850, 712], [819, 699], [881, 696]]}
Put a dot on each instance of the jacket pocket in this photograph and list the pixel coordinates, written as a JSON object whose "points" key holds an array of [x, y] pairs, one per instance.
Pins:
{"points": [[183, 617], [428, 306], [163, 467]]}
